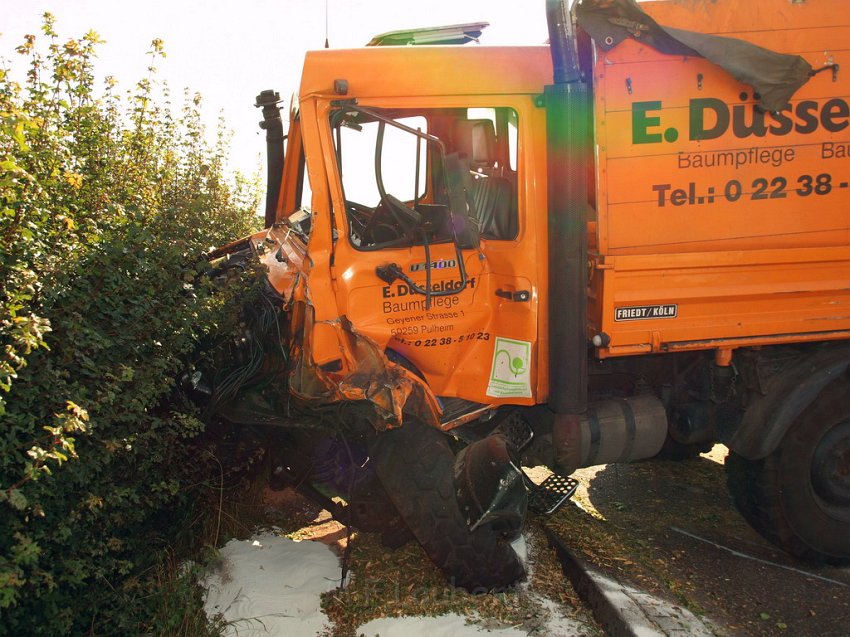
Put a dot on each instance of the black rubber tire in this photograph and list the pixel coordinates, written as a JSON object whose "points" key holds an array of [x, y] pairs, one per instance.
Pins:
{"points": [[777, 495], [416, 466]]}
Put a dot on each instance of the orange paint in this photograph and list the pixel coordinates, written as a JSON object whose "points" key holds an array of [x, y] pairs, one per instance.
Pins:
{"points": [[714, 243]]}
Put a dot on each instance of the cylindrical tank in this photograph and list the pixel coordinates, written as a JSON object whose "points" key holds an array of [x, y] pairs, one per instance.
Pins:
{"points": [[613, 430]]}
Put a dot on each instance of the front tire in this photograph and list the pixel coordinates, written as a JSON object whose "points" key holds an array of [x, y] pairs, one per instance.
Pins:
{"points": [[416, 467], [799, 496]]}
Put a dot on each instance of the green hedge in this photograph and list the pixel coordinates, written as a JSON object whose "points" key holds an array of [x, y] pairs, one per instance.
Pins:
{"points": [[106, 200]]}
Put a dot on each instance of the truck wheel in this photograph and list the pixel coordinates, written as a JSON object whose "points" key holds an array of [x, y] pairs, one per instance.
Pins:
{"points": [[416, 467], [799, 496]]}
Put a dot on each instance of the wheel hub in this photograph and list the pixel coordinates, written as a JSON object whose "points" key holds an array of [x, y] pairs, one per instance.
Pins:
{"points": [[831, 465]]}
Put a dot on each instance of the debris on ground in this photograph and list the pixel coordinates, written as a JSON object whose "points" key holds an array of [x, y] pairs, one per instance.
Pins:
{"points": [[285, 582]]}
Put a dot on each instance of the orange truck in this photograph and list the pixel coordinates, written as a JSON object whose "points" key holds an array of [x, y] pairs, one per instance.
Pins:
{"points": [[633, 242]]}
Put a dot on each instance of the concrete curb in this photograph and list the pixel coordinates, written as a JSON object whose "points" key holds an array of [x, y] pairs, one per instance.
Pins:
{"points": [[622, 610]]}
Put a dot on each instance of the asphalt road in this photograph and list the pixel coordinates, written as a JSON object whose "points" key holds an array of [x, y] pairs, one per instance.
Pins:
{"points": [[675, 524]]}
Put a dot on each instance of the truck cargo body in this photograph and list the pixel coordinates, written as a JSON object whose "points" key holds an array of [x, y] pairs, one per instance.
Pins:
{"points": [[728, 223]]}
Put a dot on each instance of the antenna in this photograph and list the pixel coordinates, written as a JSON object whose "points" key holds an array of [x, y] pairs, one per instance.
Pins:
{"points": [[327, 46]]}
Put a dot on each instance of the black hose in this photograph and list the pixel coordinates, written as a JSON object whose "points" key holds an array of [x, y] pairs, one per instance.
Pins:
{"points": [[273, 125], [562, 47]]}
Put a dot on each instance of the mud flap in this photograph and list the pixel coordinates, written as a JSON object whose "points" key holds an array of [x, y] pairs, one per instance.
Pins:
{"points": [[490, 487]]}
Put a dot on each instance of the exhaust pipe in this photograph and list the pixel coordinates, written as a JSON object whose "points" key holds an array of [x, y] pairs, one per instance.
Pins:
{"points": [[568, 143], [562, 43], [273, 125]]}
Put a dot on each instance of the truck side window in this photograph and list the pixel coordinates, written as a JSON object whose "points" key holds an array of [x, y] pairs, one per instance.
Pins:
{"points": [[385, 162], [489, 136], [398, 161], [513, 138], [455, 167], [304, 190]]}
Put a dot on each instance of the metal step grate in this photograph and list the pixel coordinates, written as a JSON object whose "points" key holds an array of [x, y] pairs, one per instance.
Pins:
{"points": [[551, 494]]}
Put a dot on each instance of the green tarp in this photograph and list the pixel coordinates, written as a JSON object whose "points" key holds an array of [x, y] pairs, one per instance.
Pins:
{"points": [[774, 76]]}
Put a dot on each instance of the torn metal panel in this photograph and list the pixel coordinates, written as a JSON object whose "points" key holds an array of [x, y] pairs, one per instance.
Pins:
{"points": [[774, 76], [284, 253], [351, 367], [328, 361], [362, 373]]}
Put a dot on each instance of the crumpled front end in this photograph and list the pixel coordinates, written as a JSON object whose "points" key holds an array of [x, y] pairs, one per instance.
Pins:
{"points": [[351, 367], [361, 373]]}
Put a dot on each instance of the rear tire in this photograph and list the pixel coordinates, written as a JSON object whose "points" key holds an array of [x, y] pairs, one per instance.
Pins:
{"points": [[416, 467], [799, 496]]}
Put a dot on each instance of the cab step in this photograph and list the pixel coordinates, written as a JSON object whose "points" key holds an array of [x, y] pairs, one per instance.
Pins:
{"points": [[516, 430], [548, 496]]}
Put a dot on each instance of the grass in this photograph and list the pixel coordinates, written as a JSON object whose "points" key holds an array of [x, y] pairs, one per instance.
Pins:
{"points": [[404, 582], [180, 602]]}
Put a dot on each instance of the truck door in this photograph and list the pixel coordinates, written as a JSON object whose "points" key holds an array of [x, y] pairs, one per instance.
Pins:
{"points": [[432, 259]]}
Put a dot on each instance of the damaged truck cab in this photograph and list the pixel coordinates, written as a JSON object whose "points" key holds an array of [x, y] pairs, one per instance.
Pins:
{"points": [[405, 266], [631, 242]]}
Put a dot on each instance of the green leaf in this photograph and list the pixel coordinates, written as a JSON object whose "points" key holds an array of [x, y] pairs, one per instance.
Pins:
{"points": [[15, 498]]}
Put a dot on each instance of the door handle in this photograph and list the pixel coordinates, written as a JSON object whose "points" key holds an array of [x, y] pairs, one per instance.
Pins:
{"points": [[520, 296]]}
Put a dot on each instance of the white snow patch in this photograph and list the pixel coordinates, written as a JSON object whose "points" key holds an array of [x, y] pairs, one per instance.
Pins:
{"points": [[445, 626], [270, 585], [520, 547], [558, 624], [555, 622]]}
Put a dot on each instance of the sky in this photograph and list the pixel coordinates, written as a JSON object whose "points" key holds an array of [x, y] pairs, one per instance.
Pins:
{"points": [[229, 51]]}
